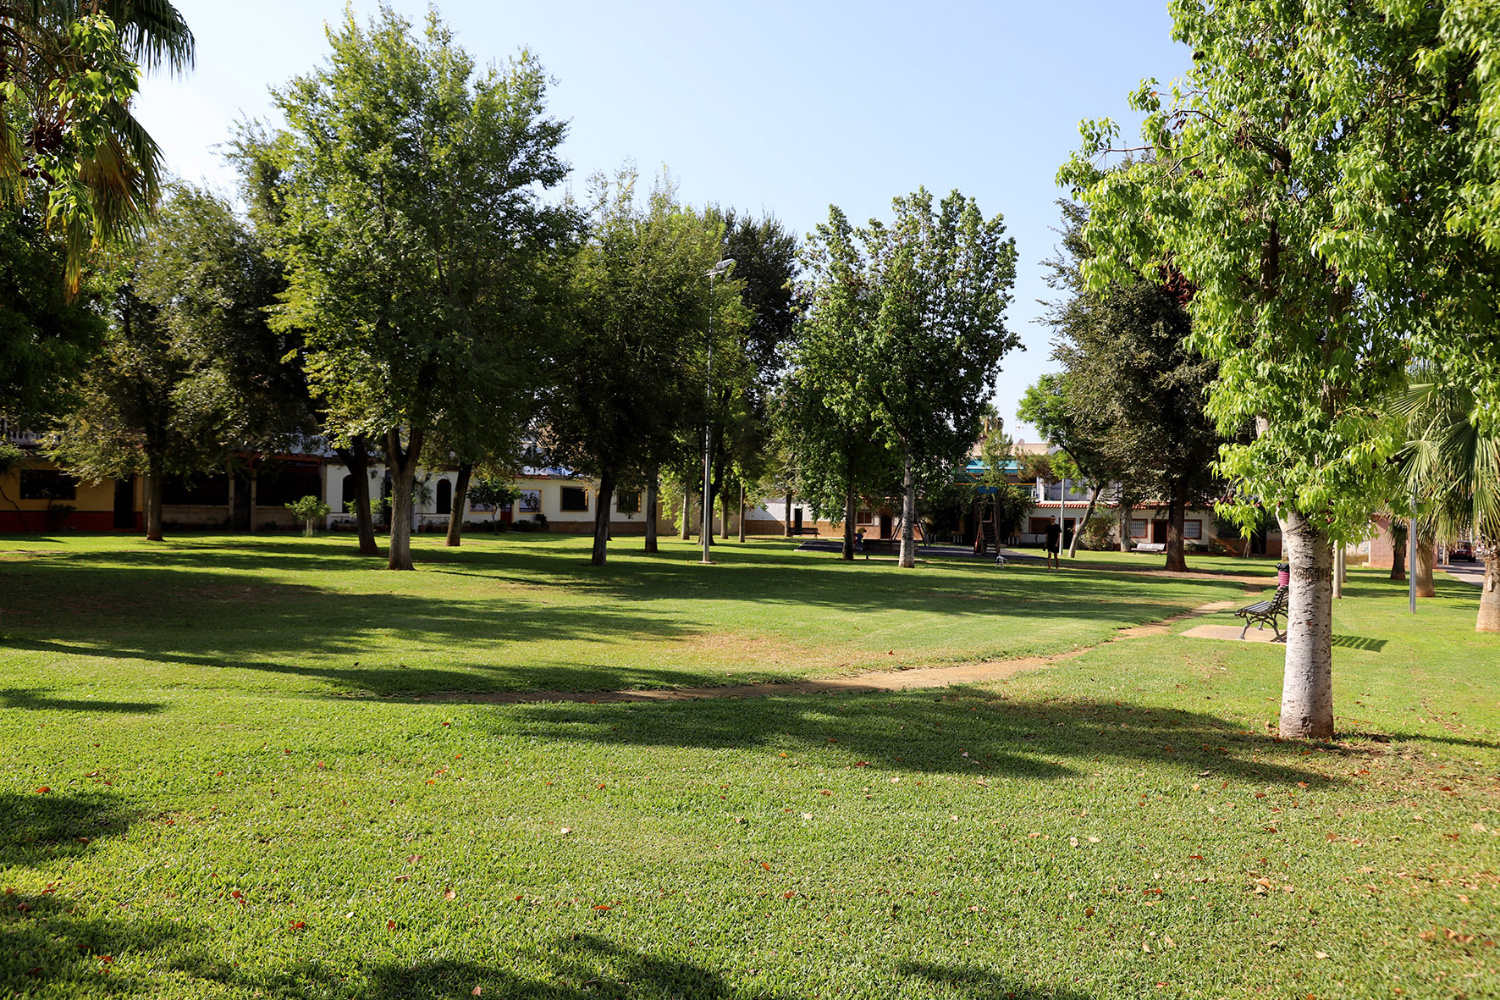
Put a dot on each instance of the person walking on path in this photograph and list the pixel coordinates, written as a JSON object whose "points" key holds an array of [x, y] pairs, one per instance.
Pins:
{"points": [[1053, 545]]}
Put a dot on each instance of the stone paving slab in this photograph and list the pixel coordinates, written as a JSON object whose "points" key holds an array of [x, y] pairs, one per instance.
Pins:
{"points": [[1230, 632]]}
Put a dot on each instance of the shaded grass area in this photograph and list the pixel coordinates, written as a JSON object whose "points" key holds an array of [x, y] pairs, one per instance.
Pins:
{"points": [[522, 613], [1119, 821]]}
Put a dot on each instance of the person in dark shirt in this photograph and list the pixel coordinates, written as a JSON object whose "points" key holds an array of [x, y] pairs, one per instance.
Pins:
{"points": [[1053, 545]]}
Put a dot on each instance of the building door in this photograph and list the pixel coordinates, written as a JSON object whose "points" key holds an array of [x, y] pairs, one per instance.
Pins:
{"points": [[796, 520], [125, 503], [239, 517], [1067, 539], [885, 526], [1159, 532]]}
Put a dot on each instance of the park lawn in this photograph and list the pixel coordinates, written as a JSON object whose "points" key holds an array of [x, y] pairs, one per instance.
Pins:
{"points": [[1120, 824], [527, 612]]}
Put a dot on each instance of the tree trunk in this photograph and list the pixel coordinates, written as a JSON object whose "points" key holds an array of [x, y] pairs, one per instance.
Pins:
{"points": [[356, 459], [1398, 555], [742, 512], [847, 552], [1088, 512], [1423, 568], [1489, 592], [460, 500], [687, 512], [152, 489], [724, 509], [908, 514], [1176, 515], [601, 519], [403, 469], [651, 502], [1307, 683], [1125, 512], [786, 531]]}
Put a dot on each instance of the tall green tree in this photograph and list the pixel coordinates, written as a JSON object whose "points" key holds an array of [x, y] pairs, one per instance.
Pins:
{"points": [[939, 278], [840, 459], [69, 70], [629, 373], [1298, 180], [410, 217], [1134, 393], [190, 367]]}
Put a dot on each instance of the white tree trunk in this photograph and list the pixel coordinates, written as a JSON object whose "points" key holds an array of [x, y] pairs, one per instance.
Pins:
{"points": [[908, 515], [1307, 683]]}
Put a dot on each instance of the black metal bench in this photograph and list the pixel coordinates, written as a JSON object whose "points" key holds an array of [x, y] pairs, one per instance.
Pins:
{"points": [[1263, 613]]}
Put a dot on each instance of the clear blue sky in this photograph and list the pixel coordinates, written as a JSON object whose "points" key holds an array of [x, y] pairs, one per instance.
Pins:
{"points": [[766, 106]]}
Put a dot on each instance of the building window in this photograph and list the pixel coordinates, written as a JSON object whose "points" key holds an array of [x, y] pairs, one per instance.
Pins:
{"points": [[1192, 529], [348, 492], [575, 498], [47, 484], [628, 502], [444, 496], [1039, 525], [530, 501], [864, 517], [1137, 527]]}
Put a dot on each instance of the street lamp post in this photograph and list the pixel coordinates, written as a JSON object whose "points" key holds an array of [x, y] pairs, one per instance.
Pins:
{"points": [[707, 533]]}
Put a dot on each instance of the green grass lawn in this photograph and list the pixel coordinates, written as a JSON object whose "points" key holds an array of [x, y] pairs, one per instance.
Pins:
{"points": [[246, 796]]}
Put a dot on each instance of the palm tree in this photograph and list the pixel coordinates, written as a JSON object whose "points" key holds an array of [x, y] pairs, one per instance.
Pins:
{"points": [[1454, 463], [66, 131]]}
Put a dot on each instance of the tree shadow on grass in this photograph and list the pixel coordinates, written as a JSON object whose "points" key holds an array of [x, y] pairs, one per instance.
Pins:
{"points": [[50, 945], [974, 733], [982, 984], [37, 699], [573, 967], [38, 828], [213, 605], [48, 940]]}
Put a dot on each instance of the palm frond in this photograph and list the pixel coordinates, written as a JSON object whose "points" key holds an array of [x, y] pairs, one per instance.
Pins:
{"points": [[153, 33]]}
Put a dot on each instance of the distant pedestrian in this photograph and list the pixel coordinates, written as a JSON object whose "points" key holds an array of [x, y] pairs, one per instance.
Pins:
{"points": [[1053, 545]]}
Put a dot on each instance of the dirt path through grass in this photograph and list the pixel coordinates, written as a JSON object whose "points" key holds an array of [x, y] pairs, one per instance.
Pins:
{"points": [[871, 681]]}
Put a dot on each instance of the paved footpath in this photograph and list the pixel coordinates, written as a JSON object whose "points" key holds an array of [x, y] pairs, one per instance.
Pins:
{"points": [[1468, 573]]}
